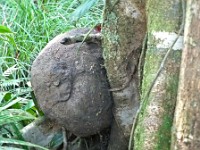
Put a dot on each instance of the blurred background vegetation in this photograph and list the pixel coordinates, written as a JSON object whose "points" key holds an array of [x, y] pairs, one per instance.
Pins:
{"points": [[26, 26]]}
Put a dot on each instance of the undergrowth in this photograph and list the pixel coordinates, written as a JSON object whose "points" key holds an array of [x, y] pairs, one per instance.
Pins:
{"points": [[26, 27]]}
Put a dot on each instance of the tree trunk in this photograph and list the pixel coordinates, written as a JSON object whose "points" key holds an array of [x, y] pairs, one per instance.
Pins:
{"points": [[123, 31], [155, 120], [186, 133]]}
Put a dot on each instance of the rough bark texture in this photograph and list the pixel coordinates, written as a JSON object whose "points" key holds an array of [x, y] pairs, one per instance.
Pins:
{"points": [[124, 29], [71, 86], [186, 133], [155, 120]]}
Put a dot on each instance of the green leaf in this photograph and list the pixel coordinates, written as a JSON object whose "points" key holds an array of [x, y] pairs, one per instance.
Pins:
{"points": [[18, 142], [5, 96], [29, 105], [9, 103], [9, 148], [14, 115], [56, 141], [10, 70], [11, 82], [82, 9], [12, 41], [4, 29], [16, 131]]}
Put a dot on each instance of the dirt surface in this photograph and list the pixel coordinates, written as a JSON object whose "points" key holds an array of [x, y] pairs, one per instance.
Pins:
{"points": [[71, 87]]}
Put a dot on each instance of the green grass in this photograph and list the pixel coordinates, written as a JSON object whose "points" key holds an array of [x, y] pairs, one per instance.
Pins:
{"points": [[30, 27]]}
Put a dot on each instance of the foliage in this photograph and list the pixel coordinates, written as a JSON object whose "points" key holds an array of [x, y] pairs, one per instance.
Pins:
{"points": [[27, 25], [13, 141], [82, 9]]}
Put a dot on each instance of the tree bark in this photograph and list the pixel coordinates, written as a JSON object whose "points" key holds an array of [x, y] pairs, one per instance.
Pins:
{"points": [[123, 31], [155, 120], [186, 133]]}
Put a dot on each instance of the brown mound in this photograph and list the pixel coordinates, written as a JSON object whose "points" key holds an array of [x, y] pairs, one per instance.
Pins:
{"points": [[71, 86]]}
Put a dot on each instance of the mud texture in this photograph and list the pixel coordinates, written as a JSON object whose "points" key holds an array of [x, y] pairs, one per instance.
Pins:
{"points": [[71, 87]]}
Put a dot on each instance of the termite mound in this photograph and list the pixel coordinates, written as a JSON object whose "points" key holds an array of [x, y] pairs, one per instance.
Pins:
{"points": [[70, 85]]}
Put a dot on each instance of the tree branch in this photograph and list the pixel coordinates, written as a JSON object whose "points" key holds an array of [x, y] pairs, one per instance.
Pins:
{"points": [[157, 75]]}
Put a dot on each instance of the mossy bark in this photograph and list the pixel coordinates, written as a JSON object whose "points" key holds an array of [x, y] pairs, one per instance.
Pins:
{"points": [[155, 120], [186, 133], [123, 31]]}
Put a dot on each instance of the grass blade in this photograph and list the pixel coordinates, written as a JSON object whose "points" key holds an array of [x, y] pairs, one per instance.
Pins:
{"points": [[18, 142], [81, 10], [4, 29], [14, 115]]}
